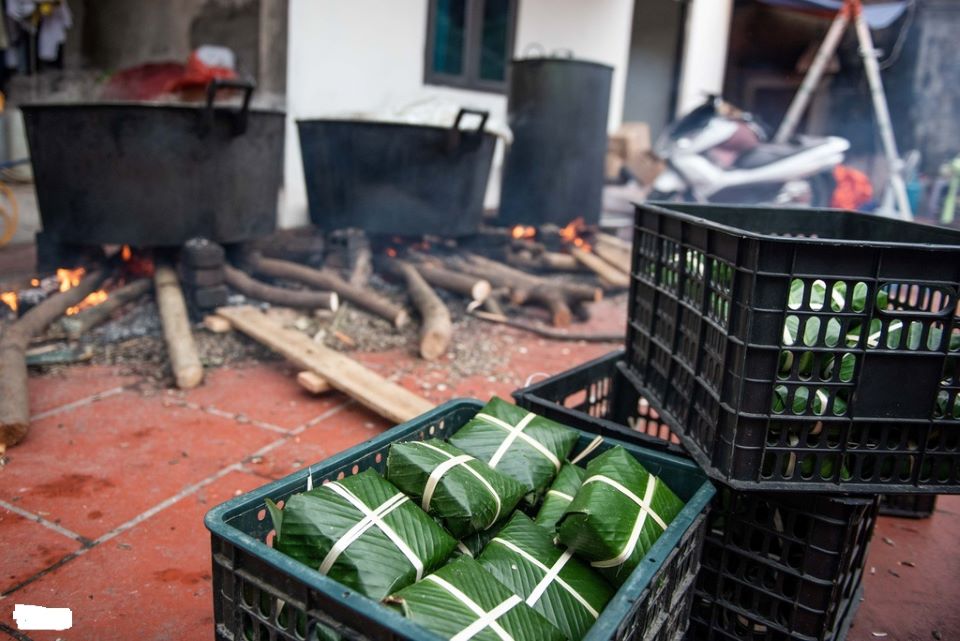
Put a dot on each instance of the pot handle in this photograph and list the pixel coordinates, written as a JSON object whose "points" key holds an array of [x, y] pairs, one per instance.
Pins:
{"points": [[474, 112], [247, 85]]}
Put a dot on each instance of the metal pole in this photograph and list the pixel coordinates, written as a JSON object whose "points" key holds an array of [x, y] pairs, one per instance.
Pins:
{"points": [[810, 82], [894, 163]]}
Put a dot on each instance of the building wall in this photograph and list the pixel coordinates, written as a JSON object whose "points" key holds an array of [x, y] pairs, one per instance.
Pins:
{"points": [[367, 56], [652, 68], [705, 51]]}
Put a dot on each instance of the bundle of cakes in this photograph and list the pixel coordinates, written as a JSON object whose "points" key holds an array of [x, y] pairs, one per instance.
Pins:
{"points": [[442, 537]]}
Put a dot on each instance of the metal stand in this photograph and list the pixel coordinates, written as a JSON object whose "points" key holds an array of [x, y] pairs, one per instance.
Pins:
{"points": [[852, 9]]}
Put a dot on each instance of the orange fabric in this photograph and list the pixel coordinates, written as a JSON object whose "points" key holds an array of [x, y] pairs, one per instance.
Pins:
{"points": [[853, 188]]}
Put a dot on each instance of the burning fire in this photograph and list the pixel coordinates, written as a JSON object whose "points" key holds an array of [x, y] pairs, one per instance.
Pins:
{"points": [[571, 234], [9, 299], [391, 252], [70, 278], [126, 253], [523, 231]]}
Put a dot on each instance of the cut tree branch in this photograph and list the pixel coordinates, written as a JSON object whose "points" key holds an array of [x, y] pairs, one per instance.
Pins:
{"points": [[79, 324], [328, 280], [609, 275], [181, 348], [436, 328], [14, 399], [548, 332], [254, 288]]}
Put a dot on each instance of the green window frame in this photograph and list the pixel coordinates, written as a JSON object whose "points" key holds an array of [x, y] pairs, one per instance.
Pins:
{"points": [[470, 43]]}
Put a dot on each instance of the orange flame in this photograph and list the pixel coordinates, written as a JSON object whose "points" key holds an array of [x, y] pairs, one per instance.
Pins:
{"points": [[35, 282], [70, 278], [126, 253], [10, 300], [95, 298], [391, 252], [571, 234], [523, 231]]}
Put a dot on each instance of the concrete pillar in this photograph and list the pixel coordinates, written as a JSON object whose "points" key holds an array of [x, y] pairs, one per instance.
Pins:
{"points": [[705, 51]]}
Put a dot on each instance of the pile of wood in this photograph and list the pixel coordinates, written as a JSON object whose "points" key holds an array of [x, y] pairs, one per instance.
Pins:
{"points": [[305, 271]]}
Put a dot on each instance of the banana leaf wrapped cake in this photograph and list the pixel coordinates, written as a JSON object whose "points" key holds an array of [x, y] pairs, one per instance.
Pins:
{"points": [[466, 494], [363, 532], [526, 447], [565, 590], [559, 496], [617, 515], [463, 601]]}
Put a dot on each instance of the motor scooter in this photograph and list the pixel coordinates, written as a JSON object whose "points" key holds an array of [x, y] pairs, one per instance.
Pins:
{"points": [[720, 154]]}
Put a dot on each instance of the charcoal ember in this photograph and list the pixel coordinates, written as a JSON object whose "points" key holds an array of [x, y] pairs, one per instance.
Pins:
{"points": [[200, 253], [211, 297]]}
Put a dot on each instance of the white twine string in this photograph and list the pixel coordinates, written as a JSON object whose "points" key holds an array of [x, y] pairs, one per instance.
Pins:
{"points": [[463, 462], [562, 495], [486, 620], [551, 574], [638, 524], [591, 446], [370, 518], [514, 432]]}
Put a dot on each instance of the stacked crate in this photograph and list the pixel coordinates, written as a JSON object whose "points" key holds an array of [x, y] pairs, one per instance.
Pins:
{"points": [[809, 361]]}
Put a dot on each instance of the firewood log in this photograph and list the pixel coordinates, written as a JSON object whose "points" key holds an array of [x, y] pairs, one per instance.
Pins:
{"points": [[328, 280], [14, 399], [436, 328], [79, 324], [254, 288], [609, 275], [181, 348]]}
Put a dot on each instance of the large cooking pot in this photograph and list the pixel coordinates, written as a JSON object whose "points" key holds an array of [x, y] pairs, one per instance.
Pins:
{"points": [[553, 172], [394, 178], [152, 174]]}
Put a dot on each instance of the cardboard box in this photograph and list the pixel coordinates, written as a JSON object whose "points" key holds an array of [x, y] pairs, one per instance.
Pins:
{"points": [[630, 146]]}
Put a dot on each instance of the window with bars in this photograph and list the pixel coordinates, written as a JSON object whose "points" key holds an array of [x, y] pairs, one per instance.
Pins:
{"points": [[469, 43]]}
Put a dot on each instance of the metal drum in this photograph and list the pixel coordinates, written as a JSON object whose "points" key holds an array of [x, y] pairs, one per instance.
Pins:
{"points": [[156, 174], [392, 178], [553, 172]]}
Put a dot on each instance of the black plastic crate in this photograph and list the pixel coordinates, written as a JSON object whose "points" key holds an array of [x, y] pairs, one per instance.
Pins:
{"points": [[775, 565], [260, 594], [785, 562], [908, 506], [597, 397], [851, 383]]}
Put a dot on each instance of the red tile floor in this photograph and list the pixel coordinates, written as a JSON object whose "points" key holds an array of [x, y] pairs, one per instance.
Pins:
{"points": [[101, 508]]}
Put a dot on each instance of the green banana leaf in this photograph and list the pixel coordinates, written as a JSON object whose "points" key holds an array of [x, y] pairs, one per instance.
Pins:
{"points": [[488, 438], [432, 604], [559, 496], [609, 528], [468, 497], [312, 523], [473, 544], [524, 558]]}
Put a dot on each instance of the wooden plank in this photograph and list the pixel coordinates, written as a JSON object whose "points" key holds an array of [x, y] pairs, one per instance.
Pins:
{"points": [[313, 383], [343, 373]]}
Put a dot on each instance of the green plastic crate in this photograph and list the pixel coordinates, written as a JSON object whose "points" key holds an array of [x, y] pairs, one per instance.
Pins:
{"points": [[260, 594]]}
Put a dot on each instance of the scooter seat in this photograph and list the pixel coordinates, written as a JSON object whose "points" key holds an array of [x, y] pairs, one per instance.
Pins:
{"points": [[767, 154]]}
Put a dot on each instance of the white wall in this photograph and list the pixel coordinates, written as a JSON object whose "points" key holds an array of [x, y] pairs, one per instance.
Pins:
{"points": [[367, 55], [705, 55], [597, 30]]}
